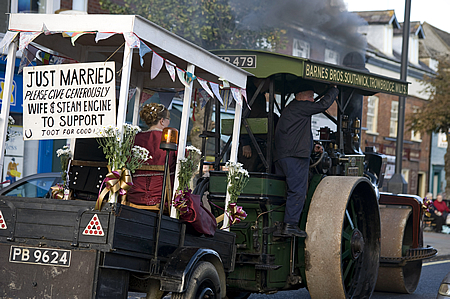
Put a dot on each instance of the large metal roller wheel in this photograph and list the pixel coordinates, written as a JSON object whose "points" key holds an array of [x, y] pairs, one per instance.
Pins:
{"points": [[343, 244], [396, 236]]}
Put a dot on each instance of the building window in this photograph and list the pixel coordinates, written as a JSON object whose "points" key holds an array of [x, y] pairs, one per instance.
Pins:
{"points": [[415, 135], [34, 6], [442, 140], [331, 56], [394, 119], [300, 48], [372, 114]]}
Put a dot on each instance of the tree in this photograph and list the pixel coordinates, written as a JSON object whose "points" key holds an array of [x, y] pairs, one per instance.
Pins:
{"points": [[435, 114], [211, 24]]}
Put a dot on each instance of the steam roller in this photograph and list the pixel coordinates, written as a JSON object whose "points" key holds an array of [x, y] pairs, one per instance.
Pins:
{"points": [[343, 246], [404, 277], [402, 249]]}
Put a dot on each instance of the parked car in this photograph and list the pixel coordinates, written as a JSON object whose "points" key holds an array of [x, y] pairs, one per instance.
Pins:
{"points": [[36, 185], [444, 289]]}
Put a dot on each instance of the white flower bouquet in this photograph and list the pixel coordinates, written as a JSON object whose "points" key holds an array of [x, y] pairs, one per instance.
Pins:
{"points": [[119, 148], [64, 155], [237, 180]]}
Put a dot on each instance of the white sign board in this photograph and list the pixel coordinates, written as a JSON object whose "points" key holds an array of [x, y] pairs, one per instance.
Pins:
{"points": [[68, 101]]}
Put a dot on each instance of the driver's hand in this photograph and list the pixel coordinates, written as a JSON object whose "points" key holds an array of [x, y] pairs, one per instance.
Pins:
{"points": [[318, 148], [247, 151]]}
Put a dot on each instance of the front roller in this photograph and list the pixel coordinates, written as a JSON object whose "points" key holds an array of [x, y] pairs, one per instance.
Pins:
{"points": [[396, 232], [342, 249]]}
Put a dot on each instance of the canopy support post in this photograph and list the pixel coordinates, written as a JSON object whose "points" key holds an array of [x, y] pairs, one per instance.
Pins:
{"points": [[183, 133]]}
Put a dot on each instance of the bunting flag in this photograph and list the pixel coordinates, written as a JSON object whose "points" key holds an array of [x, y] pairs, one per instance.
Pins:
{"points": [[7, 39], [48, 32], [181, 76], [27, 58], [26, 38], [225, 83], [102, 36], [131, 93], [74, 35], [204, 98], [58, 60], [216, 91], [205, 86], [227, 97], [157, 63], [143, 49], [170, 67], [190, 77], [131, 39], [45, 57], [145, 95], [166, 98], [237, 95], [244, 94]]}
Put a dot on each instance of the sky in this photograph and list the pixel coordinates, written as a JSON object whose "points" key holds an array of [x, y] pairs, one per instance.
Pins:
{"points": [[434, 12]]}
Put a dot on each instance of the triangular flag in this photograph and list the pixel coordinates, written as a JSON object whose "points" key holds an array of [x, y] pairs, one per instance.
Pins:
{"points": [[102, 36], [48, 32], [165, 98], [204, 98], [145, 95], [226, 96], [2, 221], [170, 67], [225, 83], [181, 76], [131, 39], [157, 63], [190, 77], [58, 59], [94, 227], [46, 57], [205, 86], [237, 95], [216, 91], [244, 94], [143, 49], [27, 58], [131, 93], [26, 38], [7, 39], [74, 35]]}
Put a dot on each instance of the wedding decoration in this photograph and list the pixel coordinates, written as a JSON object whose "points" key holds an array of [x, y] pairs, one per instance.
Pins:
{"points": [[61, 191], [237, 179], [123, 159], [188, 165]]}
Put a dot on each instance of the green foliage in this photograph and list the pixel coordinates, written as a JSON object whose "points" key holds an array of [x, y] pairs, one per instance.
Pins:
{"points": [[211, 24], [435, 115]]}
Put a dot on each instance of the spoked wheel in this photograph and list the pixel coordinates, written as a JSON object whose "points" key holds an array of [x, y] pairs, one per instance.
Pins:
{"points": [[342, 249], [396, 236], [204, 283]]}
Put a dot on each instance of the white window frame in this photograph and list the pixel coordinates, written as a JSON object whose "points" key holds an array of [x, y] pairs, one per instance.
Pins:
{"points": [[50, 6], [300, 48], [394, 119], [331, 56], [372, 114], [442, 139], [415, 135]]}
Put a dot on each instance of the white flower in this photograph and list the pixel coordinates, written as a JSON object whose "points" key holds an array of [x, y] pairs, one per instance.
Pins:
{"points": [[192, 148]]}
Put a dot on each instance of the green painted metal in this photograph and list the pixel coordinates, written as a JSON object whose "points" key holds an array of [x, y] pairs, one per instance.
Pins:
{"points": [[270, 64], [257, 126], [262, 184]]}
